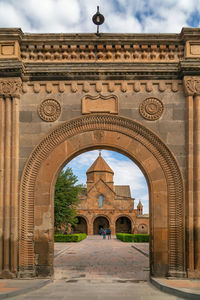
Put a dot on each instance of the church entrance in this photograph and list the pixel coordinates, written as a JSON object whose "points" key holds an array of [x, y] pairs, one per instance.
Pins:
{"points": [[123, 225], [81, 226], [100, 223]]}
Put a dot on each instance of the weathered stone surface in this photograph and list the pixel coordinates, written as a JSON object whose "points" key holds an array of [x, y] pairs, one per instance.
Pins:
{"points": [[25, 116]]}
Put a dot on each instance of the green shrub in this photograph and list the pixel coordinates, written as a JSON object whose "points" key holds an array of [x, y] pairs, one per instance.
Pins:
{"points": [[133, 238], [141, 238], [66, 238]]}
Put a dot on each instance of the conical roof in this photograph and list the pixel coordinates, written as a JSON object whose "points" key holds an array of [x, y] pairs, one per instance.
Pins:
{"points": [[99, 165], [140, 204]]}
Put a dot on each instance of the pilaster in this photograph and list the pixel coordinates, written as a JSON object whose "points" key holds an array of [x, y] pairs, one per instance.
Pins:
{"points": [[192, 91], [9, 147]]}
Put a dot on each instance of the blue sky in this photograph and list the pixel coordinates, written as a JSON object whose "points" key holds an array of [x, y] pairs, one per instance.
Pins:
{"points": [[131, 16], [125, 173]]}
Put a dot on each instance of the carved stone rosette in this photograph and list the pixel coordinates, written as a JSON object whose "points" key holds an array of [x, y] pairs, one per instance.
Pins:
{"points": [[151, 109], [49, 110]]}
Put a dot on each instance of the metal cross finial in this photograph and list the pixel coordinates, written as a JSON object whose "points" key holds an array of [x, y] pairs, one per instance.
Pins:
{"points": [[98, 19], [100, 152]]}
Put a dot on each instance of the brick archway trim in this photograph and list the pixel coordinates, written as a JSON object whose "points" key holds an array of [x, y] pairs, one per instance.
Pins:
{"points": [[123, 215], [99, 216], [98, 124], [84, 217]]}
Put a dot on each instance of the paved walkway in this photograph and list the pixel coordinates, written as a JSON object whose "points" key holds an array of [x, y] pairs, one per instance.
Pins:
{"points": [[98, 258], [94, 269]]}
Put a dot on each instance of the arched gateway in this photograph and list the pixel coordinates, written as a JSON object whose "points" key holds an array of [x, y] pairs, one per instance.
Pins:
{"points": [[123, 225], [138, 94], [81, 226], [167, 246], [100, 222]]}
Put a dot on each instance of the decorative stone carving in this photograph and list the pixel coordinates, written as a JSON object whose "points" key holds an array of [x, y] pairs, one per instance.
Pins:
{"points": [[49, 110], [151, 109], [100, 103], [125, 86], [10, 87], [9, 49], [107, 51], [192, 49], [98, 135], [192, 85]]}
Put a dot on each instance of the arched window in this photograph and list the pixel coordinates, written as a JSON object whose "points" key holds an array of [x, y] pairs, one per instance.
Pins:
{"points": [[100, 200]]}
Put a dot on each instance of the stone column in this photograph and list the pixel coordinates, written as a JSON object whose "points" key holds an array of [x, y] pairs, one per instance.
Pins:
{"points": [[2, 135], [90, 225], [14, 182], [9, 148], [7, 187], [192, 89], [112, 227], [112, 223], [197, 182]]}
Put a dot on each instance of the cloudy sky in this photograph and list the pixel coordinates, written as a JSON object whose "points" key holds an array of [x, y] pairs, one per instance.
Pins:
{"points": [[121, 16], [131, 16]]}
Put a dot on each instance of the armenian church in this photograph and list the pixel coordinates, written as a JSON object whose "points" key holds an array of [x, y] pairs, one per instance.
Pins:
{"points": [[105, 205]]}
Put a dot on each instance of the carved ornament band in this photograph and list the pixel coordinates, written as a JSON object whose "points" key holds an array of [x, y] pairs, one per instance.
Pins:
{"points": [[10, 87], [192, 85]]}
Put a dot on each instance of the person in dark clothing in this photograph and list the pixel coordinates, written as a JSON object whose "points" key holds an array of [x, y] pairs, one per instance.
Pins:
{"points": [[108, 232], [104, 234], [101, 231]]}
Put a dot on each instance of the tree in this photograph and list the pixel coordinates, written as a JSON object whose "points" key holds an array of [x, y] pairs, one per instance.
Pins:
{"points": [[66, 200]]}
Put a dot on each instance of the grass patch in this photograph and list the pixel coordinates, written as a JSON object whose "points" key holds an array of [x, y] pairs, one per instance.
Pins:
{"points": [[133, 238], [66, 238]]}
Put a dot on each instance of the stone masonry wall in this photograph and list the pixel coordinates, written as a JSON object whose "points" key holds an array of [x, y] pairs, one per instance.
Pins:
{"points": [[170, 127]]}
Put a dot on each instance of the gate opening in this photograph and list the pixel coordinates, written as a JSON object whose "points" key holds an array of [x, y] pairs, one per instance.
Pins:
{"points": [[108, 181]]}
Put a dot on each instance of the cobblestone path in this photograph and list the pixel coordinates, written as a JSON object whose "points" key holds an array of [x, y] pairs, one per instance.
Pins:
{"points": [[98, 258]]}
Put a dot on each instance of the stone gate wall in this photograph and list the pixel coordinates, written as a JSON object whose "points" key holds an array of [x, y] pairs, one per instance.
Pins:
{"points": [[48, 79], [170, 126]]}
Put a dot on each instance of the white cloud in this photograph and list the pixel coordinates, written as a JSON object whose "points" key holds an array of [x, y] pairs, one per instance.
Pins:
{"points": [[120, 15], [11, 17], [121, 23]]}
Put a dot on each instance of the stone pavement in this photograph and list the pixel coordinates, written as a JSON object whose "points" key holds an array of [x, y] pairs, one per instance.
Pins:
{"points": [[94, 269], [98, 258]]}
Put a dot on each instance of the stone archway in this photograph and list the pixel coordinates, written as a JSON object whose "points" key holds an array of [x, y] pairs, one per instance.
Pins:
{"points": [[81, 226], [99, 223], [123, 225], [111, 132]]}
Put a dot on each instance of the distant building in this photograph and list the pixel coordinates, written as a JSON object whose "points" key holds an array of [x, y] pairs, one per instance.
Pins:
{"points": [[104, 204]]}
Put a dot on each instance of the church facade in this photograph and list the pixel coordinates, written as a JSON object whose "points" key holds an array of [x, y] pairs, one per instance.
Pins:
{"points": [[105, 205]]}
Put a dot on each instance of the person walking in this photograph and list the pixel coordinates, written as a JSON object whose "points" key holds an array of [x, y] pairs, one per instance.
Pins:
{"points": [[108, 232], [104, 234]]}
